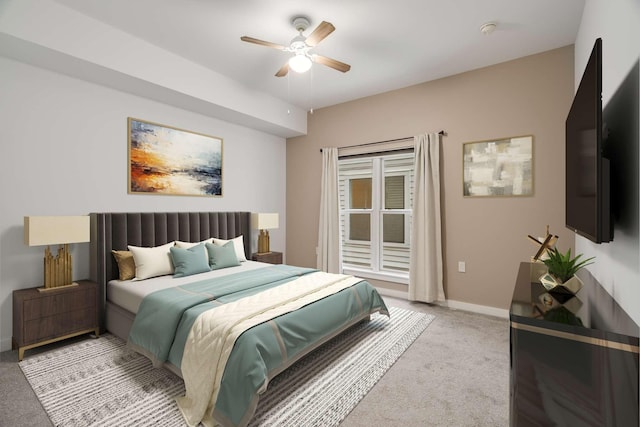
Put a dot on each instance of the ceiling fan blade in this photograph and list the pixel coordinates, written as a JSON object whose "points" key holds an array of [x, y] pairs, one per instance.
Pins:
{"points": [[262, 42], [336, 65], [283, 70], [323, 30]]}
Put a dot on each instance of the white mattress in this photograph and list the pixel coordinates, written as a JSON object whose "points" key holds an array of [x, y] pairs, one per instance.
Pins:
{"points": [[128, 294]]}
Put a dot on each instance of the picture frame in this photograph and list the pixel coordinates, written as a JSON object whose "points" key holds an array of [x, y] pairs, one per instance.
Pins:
{"points": [[498, 168], [165, 160]]}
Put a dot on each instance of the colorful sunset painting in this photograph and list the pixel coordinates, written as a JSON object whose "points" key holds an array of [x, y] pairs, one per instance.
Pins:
{"points": [[170, 161]]}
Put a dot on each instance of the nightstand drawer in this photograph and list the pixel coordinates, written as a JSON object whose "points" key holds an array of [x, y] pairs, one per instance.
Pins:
{"points": [[61, 324], [268, 257], [50, 305], [42, 317]]}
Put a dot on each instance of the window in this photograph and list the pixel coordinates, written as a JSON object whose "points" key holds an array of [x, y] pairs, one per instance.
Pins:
{"points": [[375, 215]]}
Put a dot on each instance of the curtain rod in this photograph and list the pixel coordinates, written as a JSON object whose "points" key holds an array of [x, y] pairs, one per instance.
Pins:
{"points": [[442, 132]]}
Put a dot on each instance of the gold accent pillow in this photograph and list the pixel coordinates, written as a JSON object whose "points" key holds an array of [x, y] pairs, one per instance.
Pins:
{"points": [[126, 265]]}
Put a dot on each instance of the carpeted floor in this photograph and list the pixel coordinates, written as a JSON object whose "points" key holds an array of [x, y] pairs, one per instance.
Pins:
{"points": [[102, 382], [454, 375]]}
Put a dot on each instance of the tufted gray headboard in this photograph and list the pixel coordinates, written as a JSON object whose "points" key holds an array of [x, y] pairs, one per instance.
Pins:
{"points": [[114, 231]]}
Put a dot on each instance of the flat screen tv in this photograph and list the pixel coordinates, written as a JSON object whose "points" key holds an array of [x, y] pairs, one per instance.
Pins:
{"points": [[588, 190]]}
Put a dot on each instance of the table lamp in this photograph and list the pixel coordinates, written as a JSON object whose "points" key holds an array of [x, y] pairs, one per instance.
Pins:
{"points": [[56, 230], [264, 222]]}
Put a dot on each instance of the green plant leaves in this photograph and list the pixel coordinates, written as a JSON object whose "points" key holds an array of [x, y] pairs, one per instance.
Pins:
{"points": [[562, 266]]}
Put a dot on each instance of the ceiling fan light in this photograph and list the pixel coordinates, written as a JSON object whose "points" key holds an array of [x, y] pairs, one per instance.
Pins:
{"points": [[300, 63]]}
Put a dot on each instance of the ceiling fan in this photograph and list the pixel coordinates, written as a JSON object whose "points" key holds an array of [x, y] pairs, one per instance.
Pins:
{"points": [[300, 46]]}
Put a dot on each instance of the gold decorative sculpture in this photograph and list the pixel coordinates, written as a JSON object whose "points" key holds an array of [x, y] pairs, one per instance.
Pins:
{"points": [[544, 244]]}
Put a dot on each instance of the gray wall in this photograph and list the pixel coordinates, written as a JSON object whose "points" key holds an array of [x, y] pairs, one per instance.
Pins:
{"points": [[617, 22], [64, 152]]}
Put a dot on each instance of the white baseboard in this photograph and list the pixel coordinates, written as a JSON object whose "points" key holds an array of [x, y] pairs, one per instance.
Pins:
{"points": [[453, 304], [392, 293], [476, 308]]}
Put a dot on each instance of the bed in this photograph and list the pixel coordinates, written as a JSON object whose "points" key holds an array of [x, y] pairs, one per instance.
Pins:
{"points": [[226, 332]]}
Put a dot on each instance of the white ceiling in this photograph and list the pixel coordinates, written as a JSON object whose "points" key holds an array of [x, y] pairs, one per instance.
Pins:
{"points": [[389, 44]]}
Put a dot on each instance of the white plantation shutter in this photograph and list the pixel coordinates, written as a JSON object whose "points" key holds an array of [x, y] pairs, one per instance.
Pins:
{"points": [[354, 252], [388, 248], [394, 192], [398, 172]]}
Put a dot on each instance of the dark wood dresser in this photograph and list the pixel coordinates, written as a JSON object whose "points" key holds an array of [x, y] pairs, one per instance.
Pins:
{"points": [[574, 360], [41, 318]]}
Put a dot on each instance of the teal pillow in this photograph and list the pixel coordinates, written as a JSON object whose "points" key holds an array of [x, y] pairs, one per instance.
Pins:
{"points": [[222, 256], [189, 261]]}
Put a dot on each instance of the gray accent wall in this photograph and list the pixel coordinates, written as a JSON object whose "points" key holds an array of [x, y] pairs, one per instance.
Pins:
{"points": [[64, 152], [617, 22]]}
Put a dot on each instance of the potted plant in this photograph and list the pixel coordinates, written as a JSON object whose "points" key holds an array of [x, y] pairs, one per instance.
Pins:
{"points": [[560, 276]]}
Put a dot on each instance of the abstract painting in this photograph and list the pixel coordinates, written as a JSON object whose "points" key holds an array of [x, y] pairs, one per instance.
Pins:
{"points": [[502, 167], [171, 161]]}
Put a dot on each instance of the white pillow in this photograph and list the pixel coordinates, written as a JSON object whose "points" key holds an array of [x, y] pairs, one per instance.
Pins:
{"points": [[152, 262], [187, 245], [238, 244]]}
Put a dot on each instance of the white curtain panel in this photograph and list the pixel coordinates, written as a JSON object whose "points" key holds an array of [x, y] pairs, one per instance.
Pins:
{"points": [[425, 270], [329, 224]]}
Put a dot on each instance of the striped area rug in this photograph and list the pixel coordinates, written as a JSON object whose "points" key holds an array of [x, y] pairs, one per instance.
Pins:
{"points": [[100, 382]]}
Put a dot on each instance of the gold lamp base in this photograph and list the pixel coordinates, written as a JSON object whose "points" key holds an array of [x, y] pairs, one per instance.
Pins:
{"points": [[70, 285], [57, 270], [263, 242]]}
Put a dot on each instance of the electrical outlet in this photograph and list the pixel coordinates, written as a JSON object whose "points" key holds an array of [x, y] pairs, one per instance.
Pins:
{"points": [[462, 266]]}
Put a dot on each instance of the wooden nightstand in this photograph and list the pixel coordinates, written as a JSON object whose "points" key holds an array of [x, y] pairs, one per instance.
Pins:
{"points": [[41, 318], [270, 257]]}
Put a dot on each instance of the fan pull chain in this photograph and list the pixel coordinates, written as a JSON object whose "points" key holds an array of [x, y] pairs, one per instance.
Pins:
{"points": [[288, 93], [311, 91]]}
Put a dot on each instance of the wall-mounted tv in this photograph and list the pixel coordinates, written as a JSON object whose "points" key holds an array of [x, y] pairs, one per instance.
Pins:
{"points": [[588, 190]]}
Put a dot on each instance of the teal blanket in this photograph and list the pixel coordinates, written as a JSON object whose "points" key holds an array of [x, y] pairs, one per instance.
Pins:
{"points": [[160, 313], [165, 317]]}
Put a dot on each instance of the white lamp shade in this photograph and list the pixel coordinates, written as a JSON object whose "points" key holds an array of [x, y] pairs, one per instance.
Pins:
{"points": [[300, 63], [55, 230], [264, 221]]}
